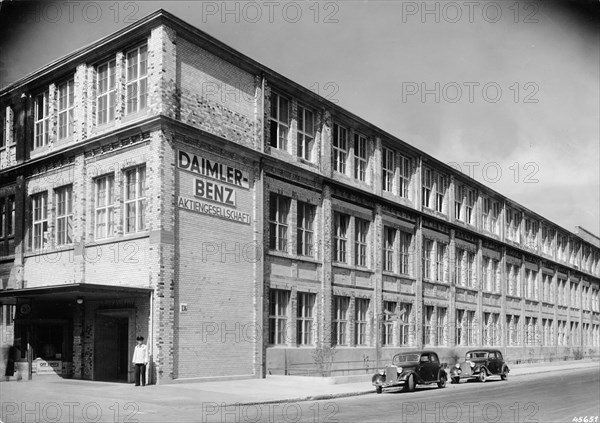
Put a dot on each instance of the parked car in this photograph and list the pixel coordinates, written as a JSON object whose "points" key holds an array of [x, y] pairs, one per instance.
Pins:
{"points": [[409, 369], [479, 364]]}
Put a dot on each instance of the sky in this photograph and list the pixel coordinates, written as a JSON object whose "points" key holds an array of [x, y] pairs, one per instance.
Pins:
{"points": [[506, 91]]}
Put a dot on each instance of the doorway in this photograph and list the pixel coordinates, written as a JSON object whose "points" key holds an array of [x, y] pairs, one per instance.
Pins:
{"points": [[111, 347]]}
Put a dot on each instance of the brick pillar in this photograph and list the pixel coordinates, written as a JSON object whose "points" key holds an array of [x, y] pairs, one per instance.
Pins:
{"points": [[261, 312], [327, 276], [378, 282], [503, 291], [419, 283], [82, 97], [326, 134], [452, 294], [162, 72], [377, 154]]}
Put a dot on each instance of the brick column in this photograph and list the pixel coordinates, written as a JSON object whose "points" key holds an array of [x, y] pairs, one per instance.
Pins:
{"points": [[419, 283], [378, 282], [162, 72], [326, 276], [326, 134], [452, 294]]}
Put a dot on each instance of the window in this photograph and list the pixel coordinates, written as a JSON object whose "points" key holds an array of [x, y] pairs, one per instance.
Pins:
{"points": [[10, 214], [137, 79], [360, 241], [440, 193], [278, 310], [458, 200], [278, 222], [389, 313], [460, 314], [485, 213], [280, 121], [305, 319], [389, 239], [361, 306], [405, 252], [388, 169], [135, 199], [494, 224], [513, 282], [106, 92], [2, 131], [470, 203], [428, 324], [427, 186], [66, 109], [42, 120], [458, 270], [3, 205], [105, 206], [427, 253], [64, 215], [306, 133], [470, 269], [340, 148], [306, 217], [440, 259], [40, 220], [360, 157], [340, 237], [491, 274], [340, 319], [404, 187], [468, 326], [440, 328], [403, 321], [490, 326]]}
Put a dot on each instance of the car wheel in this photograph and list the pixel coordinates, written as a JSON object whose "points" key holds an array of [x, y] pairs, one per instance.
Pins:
{"points": [[410, 384], [482, 375], [456, 379], [442, 382], [504, 375], [379, 389]]}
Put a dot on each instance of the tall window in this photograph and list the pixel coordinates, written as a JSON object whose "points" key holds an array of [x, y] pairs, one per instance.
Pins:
{"points": [[404, 187], [340, 320], [135, 199], [10, 215], [340, 237], [41, 119], [460, 315], [278, 311], [64, 215], [40, 220], [66, 108], [440, 259], [470, 269], [361, 306], [405, 252], [360, 242], [137, 79], [458, 201], [306, 132], [360, 157], [427, 186], [388, 169], [403, 321], [305, 319], [279, 121], [468, 325], [389, 238], [306, 217], [440, 193], [106, 92], [428, 325], [389, 311], [440, 328], [458, 272], [278, 222], [494, 223], [105, 206], [340, 148], [470, 203], [427, 253]]}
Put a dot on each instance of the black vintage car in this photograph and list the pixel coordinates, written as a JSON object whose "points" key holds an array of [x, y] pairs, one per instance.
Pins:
{"points": [[479, 364], [409, 369]]}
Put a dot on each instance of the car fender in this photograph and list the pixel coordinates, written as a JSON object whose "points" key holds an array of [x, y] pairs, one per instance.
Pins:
{"points": [[505, 369]]}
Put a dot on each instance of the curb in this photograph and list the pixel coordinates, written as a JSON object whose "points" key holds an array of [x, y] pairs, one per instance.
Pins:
{"points": [[371, 391]]}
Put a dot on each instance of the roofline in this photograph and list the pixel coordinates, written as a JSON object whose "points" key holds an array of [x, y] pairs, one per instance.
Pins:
{"points": [[183, 28]]}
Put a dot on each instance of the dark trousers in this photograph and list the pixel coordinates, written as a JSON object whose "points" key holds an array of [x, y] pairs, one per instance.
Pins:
{"points": [[140, 369]]}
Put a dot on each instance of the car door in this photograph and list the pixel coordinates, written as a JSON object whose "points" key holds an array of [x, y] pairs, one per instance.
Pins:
{"points": [[424, 368], [492, 362], [434, 362]]}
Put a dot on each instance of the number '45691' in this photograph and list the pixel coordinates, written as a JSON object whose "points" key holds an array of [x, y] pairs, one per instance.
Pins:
{"points": [[585, 419]]}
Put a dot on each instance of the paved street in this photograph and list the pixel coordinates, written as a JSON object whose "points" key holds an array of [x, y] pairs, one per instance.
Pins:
{"points": [[562, 392]]}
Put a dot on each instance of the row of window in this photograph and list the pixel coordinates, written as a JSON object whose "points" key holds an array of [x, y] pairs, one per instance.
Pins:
{"points": [[352, 325], [106, 89], [105, 206]]}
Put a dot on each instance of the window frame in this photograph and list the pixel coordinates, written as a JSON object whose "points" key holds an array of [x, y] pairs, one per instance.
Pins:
{"points": [[139, 199], [136, 95], [109, 95], [304, 147], [64, 215]]}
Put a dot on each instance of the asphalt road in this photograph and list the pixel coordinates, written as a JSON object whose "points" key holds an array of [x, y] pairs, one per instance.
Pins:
{"points": [[545, 398]]}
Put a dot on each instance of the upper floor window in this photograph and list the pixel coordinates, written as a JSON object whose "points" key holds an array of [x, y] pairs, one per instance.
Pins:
{"points": [[2, 128], [7, 216], [403, 188], [388, 169], [361, 307], [106, 86], [427, 186], [280, 121], [361, 229], [41, 119], [137, 79], [105, 207], [340, 320], [440, 192], [405, 252], [340, 235], [305, 318], [66, 109], [306, 217], [306, 133], [278, 315], [389, 240], [64, 215], [278, 222], [360, 157], [135, 199], [39, 203], [340, 148]]}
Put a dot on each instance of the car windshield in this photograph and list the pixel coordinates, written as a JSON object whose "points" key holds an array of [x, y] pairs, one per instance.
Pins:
{"points": [[403, 358], [476, 354]]}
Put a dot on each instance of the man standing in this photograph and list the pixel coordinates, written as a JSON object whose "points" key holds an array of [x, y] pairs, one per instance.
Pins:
{"points": [[140, 360]]}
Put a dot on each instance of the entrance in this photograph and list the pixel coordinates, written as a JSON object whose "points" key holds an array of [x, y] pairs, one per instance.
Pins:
{"points": [[111, 347]]}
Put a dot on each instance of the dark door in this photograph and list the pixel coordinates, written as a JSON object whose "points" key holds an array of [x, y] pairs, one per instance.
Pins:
{"points": [[111, 348]]}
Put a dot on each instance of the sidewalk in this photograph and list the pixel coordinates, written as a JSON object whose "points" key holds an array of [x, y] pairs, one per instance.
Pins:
{"points": [[273, 389]]}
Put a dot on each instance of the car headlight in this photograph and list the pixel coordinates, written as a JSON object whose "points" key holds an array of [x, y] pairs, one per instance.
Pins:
{"points": [[459, 371], [472, 364], [457, 366], [399, 370]]}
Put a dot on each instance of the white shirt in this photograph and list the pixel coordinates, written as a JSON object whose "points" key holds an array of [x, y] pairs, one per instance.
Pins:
{"points": [[140, 354]]}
